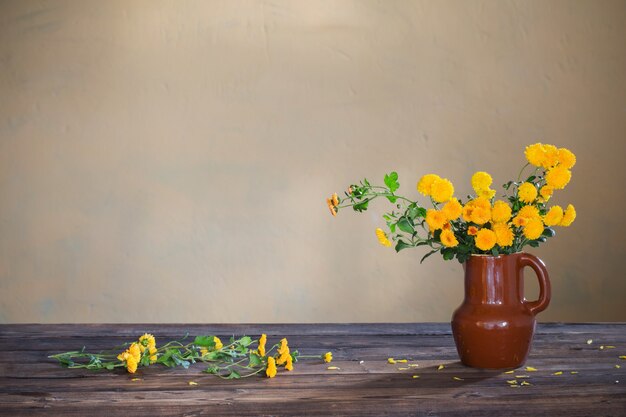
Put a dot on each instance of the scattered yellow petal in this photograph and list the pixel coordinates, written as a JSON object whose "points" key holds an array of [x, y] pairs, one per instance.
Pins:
{"points": [[413, 365], [558, 373], [602, 347], [509, 372], [456, 378], [333, 368], [623, 357], [415, 376], [391, 361], [401, 360], [590, 341], [530, 369], [574, 372], [512, 381], [403, 369], [193, 383], [514, 386], [522, 376], [617, 366], [525, 383], [136, 379], [440, 367], [609, 347]]}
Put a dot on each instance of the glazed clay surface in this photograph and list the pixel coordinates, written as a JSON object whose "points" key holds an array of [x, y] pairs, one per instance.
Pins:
{"points": [[494, 326]]}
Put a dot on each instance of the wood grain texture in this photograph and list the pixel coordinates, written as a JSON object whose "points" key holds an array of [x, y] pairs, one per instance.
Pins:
{"points": [[32, 384]]}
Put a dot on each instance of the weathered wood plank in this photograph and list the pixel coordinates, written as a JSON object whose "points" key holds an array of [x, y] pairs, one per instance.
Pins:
{"points": [[30, 383]]}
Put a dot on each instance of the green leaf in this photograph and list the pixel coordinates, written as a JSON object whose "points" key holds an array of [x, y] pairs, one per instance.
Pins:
{"points": [[405, 225], [391, 181], [213, 369], [213, 356], [421, 212], [392, 199], [233, 375], [204, 341], [110, 367], [413, 211], [255, 360], [181, 362], [494, 252], [392, 227], [448, 254], [534, 243], [362, 206], [428, 254], [402, 245], [244, 341]]}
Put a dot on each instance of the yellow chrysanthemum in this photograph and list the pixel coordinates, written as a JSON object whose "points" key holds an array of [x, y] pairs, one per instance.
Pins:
{"points": [[504, 234], [262, 342], [289, 364], [134, 351], [487, 193], [529, 212], [481, 215], [448, 239], [283, 358], [527, 192], [467, 212], [485, 239], [147, 340], [284, 346], [472, 230], [452, 209], [533, 229], [283, 351], [435, 219], [567, 158], [218, 343], [331, 207], [153, 354], [334, 199], [535, 154], [552, 156], [546, 192], [442, 190], [482, 202], [519, 221], [558, 177], [203, 351], [568, 216], [526, 214], [481, 181], [554, 216], [328, 357], [131, 364], [270, 371], [425, 183], [501, 212], [382, 237]]}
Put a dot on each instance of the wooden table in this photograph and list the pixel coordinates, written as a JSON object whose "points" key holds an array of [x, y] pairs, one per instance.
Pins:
{"points": [[591, 384]]}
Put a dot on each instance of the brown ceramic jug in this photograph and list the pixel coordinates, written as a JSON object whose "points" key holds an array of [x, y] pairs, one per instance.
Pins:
{"points": [[494, 326]]}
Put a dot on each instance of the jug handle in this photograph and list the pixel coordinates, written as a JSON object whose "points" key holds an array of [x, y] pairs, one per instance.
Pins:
{"points": [[539, 267]]}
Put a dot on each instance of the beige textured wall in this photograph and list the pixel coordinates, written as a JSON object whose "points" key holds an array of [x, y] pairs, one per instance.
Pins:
{"points": [[166, 161]]}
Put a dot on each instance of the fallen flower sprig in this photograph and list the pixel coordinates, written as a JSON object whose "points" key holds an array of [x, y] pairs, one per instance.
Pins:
{"points": [[237, 359]]}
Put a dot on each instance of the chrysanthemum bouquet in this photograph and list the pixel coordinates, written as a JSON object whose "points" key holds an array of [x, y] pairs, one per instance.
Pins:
{"points": [[237, 359], [483, 224]]}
